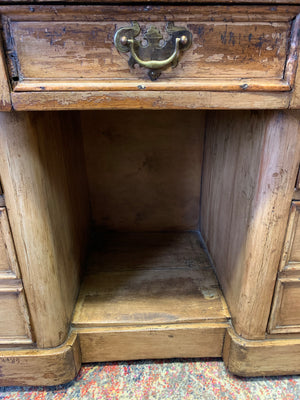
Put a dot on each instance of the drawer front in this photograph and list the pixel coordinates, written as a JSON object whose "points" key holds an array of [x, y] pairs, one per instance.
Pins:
{"points": [[72, 48], [285, 315], [14, 319], [14, 323]]}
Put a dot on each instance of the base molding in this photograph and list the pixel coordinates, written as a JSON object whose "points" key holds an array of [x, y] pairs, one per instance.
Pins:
{"points": [[261, 357], [152, 342], [41, 367], [242, 357]]}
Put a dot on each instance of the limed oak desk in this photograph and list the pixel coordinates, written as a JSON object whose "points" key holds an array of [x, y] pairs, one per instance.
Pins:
{"points": [[149, 209]]}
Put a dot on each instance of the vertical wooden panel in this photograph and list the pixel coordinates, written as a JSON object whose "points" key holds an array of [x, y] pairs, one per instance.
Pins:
{"points": [[5, 101], [144, 168], [249, 172], [43, 177]]}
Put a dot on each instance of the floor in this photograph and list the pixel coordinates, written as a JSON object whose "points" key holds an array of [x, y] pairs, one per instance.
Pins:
{"points": [[161, 379]]}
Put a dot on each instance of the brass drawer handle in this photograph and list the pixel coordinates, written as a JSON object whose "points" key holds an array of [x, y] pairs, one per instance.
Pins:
{"points": [[156, 54]]}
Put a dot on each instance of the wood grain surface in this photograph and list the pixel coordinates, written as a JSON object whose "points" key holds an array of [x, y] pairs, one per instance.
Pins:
{"points": [[159, 341], [145, 279], [71, 48], [5, 100], [290, 259], [38, 367], [15, 327], [250, 167], [261, 357], [285, 316], [166, 100], [144, 169], [40, 165]]}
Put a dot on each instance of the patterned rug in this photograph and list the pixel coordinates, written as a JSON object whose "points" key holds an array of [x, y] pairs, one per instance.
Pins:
{"points": [[178, 379]]}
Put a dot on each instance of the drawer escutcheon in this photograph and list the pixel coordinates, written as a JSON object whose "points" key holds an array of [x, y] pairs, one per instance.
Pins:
{"points": [[156, 54]]}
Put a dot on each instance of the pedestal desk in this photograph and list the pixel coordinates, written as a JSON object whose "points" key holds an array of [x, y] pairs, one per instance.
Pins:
{"points": [[150, 196]]}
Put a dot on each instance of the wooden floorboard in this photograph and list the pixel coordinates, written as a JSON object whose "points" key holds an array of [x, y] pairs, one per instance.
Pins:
{"points": [[147, 279]]}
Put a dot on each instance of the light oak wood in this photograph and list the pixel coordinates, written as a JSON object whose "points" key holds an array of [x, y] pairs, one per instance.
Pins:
{"points": [[151, 295], [285, 317], [15, 327], [40, 164], [14, 320], [8, 261], [297, 186], [5, 100], [41, 367], [250, 167], [144, 169], [227, 45], [146, 279], [166, 100], [148, 295], [261, 357], [290, 259], [160, 341]]}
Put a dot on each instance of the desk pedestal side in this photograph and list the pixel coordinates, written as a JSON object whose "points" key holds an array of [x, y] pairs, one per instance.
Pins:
{"points": [[249, 170]]}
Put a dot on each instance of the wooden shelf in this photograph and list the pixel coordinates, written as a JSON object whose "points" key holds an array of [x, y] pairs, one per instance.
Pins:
{"points": [[149, 282]]}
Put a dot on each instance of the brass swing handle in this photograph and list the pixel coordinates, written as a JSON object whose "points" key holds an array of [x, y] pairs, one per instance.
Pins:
{"points": [[157, 54]]}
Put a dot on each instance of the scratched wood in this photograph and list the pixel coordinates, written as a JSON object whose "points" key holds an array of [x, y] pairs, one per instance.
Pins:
{"points": [[249, 172], [236, 49], [165, 100], [44, 183], [261, 357], [159, 341], [150, 278], [5, 100], [41, 367]]}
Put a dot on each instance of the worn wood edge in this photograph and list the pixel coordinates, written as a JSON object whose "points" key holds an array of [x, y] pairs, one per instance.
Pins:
{"points": [[218, 85], [18, 341], [44, 367], [293, 53], [128, 100], [265, 357], [153, 12], [151, 342], [5, 99]]}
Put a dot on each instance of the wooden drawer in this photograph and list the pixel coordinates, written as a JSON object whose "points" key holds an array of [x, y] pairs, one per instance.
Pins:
{"points": [[285, 315], [72, 48], [14, 319]]}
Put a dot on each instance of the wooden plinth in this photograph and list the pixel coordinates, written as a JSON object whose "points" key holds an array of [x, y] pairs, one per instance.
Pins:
{"points": [[151, 295]]}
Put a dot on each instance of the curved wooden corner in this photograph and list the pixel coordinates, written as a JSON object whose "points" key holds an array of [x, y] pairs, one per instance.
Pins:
{"points": [[261, 357], [41, 367]]}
